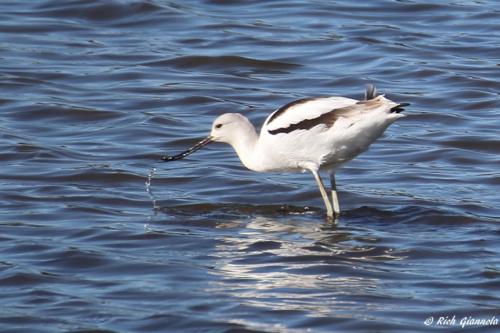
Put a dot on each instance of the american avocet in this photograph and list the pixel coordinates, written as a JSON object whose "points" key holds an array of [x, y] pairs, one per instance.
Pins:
{"points": [[307, 134]]}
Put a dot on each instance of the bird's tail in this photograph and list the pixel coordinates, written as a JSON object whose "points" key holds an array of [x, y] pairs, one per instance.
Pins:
{"points": [[399, 108], [371, 92]]}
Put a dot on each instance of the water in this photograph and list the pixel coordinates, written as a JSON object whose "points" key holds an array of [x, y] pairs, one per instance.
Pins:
{"points": [[98, 236]]}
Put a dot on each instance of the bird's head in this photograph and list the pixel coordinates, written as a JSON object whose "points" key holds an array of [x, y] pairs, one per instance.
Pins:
{"points": [[228, 127]]}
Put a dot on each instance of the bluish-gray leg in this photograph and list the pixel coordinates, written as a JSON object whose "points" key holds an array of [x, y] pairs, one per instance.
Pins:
{"points": [[335, 198], [329, 210]]}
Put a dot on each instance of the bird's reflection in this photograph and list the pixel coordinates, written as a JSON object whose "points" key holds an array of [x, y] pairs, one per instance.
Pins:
{"points": [[298, 265]]}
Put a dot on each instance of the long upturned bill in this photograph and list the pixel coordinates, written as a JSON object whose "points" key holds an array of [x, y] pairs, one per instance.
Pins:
{"points": [[189, 151]]}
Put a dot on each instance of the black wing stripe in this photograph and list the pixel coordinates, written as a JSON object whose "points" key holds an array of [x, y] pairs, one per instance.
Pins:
{"points": [[327, 119], [285, 107]]}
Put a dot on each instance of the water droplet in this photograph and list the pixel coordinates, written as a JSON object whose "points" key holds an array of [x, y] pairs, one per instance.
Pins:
{"points": [[147, 183]]}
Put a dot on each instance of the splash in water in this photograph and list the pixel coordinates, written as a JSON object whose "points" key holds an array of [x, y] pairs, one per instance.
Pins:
{"points": [[147, 183]]}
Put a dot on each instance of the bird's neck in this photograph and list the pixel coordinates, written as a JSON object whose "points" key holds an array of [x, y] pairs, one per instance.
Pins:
{"points": [[245, 145]]}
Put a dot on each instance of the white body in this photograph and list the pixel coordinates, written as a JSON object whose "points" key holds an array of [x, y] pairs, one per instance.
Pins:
{"points": [[319, 147], [308, 134]]}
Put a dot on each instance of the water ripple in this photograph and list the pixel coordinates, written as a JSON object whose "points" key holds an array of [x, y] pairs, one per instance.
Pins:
{"points": [[93, 93]]}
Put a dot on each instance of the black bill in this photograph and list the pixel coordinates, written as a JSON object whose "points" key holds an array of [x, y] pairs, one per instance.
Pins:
{"points": [[189, 151]]}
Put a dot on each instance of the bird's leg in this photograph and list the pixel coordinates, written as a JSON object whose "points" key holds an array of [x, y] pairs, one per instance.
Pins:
{"points": [[335, 198], [326, 199]]}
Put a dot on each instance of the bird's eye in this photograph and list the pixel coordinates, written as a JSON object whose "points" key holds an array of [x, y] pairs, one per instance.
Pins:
{"points": [[218, 126]]}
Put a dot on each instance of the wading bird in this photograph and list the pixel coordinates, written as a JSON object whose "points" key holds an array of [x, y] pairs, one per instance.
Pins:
{"points": [[319, 133]]}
